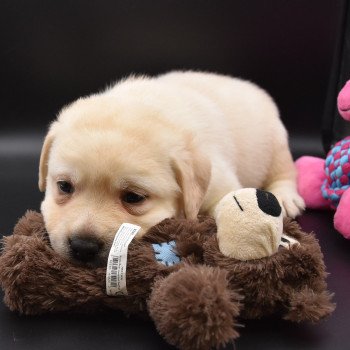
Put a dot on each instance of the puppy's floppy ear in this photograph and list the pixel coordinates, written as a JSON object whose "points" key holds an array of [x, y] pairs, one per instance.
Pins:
{"points": [[44, 157], [192, 171]]}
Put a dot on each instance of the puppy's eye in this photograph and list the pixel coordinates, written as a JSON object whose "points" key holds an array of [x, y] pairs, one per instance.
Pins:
{"points": [[65, 187], [133, 198]]}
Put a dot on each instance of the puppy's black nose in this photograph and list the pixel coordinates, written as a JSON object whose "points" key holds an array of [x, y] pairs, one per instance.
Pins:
{"points": [[84, 249], [268, 203]]}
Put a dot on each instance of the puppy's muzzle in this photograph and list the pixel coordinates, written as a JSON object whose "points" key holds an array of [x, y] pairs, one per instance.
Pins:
{"points": [[84, 249]]}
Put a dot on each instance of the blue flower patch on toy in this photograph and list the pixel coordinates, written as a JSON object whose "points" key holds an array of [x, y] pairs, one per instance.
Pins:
{"points": [[165, 253]]}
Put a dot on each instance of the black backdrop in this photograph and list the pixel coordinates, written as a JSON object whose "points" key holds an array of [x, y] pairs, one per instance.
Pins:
{"points": [[55, 51], [52, 52]]}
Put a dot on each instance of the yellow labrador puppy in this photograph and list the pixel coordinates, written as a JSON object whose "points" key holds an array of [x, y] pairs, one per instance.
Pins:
{"points": [[152, 148]]}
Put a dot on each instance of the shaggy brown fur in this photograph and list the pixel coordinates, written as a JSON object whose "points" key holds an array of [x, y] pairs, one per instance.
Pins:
{"points": [[194, 304]]}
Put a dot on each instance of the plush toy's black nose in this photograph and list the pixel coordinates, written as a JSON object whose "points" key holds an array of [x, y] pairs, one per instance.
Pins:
{"points": [[84, 249], [268, 203]]}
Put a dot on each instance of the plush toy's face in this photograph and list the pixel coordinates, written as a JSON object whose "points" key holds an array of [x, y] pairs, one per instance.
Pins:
{"points": [[249, 224]]}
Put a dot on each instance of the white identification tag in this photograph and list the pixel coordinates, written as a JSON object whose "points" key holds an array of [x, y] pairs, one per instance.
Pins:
{"points": [[117, 259]]}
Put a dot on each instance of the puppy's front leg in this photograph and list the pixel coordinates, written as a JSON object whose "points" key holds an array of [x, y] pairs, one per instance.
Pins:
{"points": [[282, 182]]}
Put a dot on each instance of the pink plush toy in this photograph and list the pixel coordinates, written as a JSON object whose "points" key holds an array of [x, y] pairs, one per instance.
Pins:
{"points": [[326, 183]]}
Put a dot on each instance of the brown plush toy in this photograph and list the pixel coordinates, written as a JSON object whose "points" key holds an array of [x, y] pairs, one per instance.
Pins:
{"points": [[177, 274]]}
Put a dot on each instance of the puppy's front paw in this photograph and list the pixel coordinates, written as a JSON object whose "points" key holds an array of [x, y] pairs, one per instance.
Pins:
{"points": [[291, 202]]}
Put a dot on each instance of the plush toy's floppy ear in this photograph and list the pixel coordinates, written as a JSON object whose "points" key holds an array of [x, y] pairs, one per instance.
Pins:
{"points": [[44, 157], [192, 171]]}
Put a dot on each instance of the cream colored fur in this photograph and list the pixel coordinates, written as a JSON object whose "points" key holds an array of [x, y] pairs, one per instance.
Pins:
{"points": [[184, 139]]}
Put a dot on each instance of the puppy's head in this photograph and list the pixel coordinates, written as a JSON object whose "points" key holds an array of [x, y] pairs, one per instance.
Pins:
{"points": [[98, 173]]}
